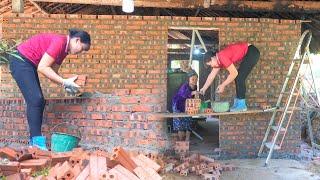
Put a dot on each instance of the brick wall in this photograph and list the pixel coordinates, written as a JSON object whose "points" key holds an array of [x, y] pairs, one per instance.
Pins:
{"points": [[125, 118], [129, 52], [241, 136]]}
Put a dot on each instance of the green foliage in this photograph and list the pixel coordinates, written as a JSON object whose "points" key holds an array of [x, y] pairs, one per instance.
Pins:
{"points": [[43, 172], [8, 47]]}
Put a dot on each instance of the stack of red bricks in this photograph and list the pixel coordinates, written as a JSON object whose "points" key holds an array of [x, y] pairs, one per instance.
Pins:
{"points": [[192, 106], [201, 165], [181, 147], [197, 164], [77, 164]]}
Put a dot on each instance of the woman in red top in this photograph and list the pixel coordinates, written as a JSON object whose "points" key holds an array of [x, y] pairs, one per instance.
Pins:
{"points": [[44, 53], [244, 53]]}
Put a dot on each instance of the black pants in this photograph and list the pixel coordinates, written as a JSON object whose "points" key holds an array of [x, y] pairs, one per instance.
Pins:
{"points": [[26, 76], [246, 66]]}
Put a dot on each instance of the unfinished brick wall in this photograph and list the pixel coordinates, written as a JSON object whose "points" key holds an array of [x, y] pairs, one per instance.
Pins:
{"points": [[129, 52], [126, 118]]}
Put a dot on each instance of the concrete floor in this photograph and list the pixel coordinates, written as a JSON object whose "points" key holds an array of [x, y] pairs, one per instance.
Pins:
{"points": [[248, 169], [210, 133], [252, 169]]}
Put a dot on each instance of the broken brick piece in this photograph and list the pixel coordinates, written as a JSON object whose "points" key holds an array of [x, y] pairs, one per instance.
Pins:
{"points": [[228, 167], [184, 172], [150, 163], [208, 176], [184, 165], [141, 173], [123, 158], [8, 153], [60, 157], [27, 171], [11, 166], [35, 164], [17, 176], [76, 170], [53, 171], [126, 172], [84, 173], [98, 165], [64, 171], [206, 159]]}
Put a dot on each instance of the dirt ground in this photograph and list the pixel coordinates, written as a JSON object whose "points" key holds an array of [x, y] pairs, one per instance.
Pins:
{"points": [[253, 169]]}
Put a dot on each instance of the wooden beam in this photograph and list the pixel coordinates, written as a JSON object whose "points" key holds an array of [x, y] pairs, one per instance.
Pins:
{"points": [[266, 5], [17, 6], [38, 7], [251, 111], [138, 3], [185, 41]]}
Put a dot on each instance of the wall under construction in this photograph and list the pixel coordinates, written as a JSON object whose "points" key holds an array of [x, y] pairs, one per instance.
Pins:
{"points": [[129, 55]]}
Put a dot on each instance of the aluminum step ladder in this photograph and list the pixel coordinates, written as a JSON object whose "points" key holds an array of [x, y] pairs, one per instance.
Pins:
{"points": [[292, 92]]}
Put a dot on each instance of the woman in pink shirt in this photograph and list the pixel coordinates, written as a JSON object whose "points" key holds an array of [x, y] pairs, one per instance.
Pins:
{"points": [[244, 53], [44, 53]]}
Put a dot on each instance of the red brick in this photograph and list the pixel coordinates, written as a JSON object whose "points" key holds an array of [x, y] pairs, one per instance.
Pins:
{"points": [[129, 99], [140, 91], [9, 153], [11, 166], [142, 108], [96, 116], [121, 92], [98, 165], [84, 173], [35, 164]]}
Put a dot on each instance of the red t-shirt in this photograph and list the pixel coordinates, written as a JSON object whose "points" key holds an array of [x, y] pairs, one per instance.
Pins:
{"points": [[232, 54], [53, 44]]}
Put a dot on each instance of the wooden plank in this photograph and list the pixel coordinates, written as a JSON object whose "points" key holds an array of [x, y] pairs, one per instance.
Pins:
{"points": [[172, 115], [137, 3]]}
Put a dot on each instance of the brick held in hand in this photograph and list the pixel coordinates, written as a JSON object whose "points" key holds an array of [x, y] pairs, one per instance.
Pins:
{"points": [[208, 110], [81, 80]]}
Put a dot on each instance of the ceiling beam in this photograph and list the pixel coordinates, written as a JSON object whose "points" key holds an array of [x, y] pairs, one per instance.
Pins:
{"points": [[138, 3], [184, 41], [282, 5]]}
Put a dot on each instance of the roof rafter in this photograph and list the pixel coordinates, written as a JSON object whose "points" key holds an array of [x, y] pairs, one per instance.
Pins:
{"points": [[138, 3], [282, 5]]}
